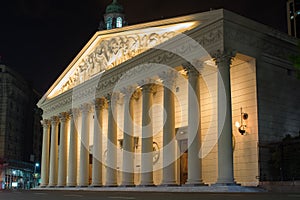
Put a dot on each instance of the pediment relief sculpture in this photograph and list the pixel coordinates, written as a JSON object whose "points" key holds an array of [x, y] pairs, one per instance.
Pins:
{"points": [[112, 50]]}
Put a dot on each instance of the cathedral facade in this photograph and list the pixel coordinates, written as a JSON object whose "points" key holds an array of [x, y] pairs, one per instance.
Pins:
{"points": [[181, 101]]}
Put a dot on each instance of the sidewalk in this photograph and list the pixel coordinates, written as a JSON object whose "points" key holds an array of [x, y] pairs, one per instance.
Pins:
{"points": [[213, 189]]}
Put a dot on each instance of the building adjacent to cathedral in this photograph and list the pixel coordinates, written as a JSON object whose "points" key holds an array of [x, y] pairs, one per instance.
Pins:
{"points": [[158, 104], [20, 131]]}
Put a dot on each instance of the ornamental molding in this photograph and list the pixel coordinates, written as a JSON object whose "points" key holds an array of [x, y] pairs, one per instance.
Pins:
{"points": [[107, 51], [211, 37], [56, 107], [134, 69], [257, 43], [112, 52]]}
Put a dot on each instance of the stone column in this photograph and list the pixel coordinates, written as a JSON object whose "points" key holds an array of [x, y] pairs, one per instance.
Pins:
{"points": [[111, 170], [128, 138], [169, 151], [84, 146], [53, 152], [62, 157], [99, 105], [73, 149], [194, 127], [45, 153], [225, 152], [147, 136]]}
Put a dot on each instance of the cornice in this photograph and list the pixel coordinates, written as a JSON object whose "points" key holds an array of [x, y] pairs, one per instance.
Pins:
{"points": [[256, 42], [134, 69]]}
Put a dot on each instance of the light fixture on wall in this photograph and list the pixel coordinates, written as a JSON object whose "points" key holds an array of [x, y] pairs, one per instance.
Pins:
{"points": [[241, 125]]}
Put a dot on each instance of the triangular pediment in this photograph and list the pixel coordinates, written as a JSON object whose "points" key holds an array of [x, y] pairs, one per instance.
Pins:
{"points": [[108, 49]]}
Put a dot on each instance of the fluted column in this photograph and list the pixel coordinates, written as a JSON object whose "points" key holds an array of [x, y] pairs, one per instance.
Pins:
{"points": [[84, 146], [62, 157], [73, 149], [53, 152], [111, 170], [99, 105], [194, 127], [225, 152], [128, 138], [147, 136], [169, 150], [45, 153]]}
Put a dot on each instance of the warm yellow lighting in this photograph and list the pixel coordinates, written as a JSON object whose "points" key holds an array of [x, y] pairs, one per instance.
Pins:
{"points": [[105, 51], [237, 124], [242, 126]]}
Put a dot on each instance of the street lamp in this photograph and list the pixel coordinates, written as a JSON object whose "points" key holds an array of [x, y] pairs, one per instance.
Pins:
{"points": [[34, 173]]}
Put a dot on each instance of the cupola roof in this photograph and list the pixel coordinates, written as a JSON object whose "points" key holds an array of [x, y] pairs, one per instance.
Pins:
{"points": [[114, 7]]}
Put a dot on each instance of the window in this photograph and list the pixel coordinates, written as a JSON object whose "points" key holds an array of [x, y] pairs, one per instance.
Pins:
{"points": [[109, 23], [119, 22]]}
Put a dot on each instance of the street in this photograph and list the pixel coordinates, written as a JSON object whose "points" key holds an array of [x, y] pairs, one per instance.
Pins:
{"points": [[74, 195]]}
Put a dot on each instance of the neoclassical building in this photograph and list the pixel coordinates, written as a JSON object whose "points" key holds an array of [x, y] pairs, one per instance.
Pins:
{"points": [[181, 101]]}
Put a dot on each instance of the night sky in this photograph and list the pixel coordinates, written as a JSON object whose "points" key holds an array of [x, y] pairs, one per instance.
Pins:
{"points": [[39, 38]]}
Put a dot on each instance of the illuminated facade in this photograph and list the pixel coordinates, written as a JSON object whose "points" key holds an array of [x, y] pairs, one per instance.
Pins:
{"points": [[157, 103]]}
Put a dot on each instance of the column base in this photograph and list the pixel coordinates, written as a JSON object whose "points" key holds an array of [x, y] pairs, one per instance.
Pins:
{"points": [[168, 185], [83, 186], [51, 186], [72, 185], [226, 184], [111, 185], [194, 183], [60, 186], [96, 185], [43, 186], [127, 185], [147, 185]]}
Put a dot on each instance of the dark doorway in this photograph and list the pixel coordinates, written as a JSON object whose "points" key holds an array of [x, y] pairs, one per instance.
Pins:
{"points": [[183, 161]]}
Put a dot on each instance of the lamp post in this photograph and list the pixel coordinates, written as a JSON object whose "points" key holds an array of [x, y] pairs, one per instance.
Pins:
{"points": [[34, 173]]}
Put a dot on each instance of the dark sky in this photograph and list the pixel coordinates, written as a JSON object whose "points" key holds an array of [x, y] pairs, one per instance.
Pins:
{"points": [[39, 38]]}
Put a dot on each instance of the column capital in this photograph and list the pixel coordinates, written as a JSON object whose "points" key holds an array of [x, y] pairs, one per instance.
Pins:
{"points": [[146, 81], [169, 78], [131, 92], [149, 88], [224, 57], [137, 93], [112, 97], [100, 103], [128, 91], [85, 108], [190, 69], [63, 117], [45, 123], [54, 120], [74, 112]]}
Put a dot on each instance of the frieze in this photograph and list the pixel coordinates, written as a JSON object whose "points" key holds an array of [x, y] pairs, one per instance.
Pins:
{"points": [[53, 108], [210, 35], [265, 45], [112, 52], [109, 78]]}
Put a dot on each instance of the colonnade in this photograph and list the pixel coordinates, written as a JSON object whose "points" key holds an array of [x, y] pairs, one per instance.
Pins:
{"points": [[57, 172]]}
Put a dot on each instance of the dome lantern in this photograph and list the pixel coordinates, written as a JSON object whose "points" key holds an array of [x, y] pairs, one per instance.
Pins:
{"points": [[114, 16]]}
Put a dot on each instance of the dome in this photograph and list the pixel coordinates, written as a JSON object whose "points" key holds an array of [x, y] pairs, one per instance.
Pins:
{"points": [[114, 7]]}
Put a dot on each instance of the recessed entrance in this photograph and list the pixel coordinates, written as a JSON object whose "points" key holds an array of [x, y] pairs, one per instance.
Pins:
{"points": [[183, 146]]}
